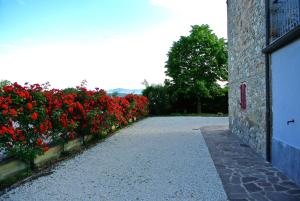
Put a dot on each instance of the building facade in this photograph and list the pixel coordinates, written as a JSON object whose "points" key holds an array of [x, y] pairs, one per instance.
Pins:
{"points": [[264, 79]]}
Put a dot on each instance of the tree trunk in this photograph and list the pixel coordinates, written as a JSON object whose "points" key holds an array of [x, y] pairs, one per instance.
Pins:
{"points": [[199, 108]]}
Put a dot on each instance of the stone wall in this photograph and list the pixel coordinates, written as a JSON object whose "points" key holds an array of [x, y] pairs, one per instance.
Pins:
{"points": [[246, 39]]}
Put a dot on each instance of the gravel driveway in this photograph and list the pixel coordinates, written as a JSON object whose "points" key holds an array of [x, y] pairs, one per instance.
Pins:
{"points": [[159, 158]]}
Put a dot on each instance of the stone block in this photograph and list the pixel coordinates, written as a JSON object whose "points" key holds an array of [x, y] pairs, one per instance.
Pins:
{"points": [[52, 154], [11, 168], [73, 145]]}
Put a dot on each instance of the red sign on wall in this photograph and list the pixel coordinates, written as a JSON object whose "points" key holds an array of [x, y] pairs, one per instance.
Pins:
{"points": [[243, 100]]}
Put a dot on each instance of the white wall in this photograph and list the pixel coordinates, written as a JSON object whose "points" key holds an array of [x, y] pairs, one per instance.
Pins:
{"points": [[285, 64]]}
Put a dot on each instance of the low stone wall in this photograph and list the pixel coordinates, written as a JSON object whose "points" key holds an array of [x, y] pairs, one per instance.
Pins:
{"points": [[10, 168], [13, 167]]}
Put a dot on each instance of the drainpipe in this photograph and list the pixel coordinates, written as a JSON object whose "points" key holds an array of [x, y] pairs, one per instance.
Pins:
{"points": [[268, 88]]}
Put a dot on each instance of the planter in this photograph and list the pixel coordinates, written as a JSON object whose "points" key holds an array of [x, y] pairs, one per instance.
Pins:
{"points": [[88, 138], [11, 168], [73, 145], [52, 154]]}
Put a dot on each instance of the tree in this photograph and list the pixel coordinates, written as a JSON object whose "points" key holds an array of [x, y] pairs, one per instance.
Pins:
{"points": [[195, 64], [159, 99]]}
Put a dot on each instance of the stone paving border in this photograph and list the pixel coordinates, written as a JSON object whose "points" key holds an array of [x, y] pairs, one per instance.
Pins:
{"points": [[246, 176]]}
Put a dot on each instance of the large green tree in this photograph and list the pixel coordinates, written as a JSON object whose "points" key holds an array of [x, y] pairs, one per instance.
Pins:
{"points": [[196, 62]]}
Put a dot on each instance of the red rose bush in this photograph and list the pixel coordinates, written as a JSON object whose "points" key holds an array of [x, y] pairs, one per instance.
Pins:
{"points": [[32, 117]]}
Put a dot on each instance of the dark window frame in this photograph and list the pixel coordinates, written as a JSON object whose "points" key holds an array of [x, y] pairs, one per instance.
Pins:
{"points": [[243, 96], [284, 39]]}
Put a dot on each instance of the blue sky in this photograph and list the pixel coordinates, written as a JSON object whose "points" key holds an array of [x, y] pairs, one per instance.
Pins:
{"points": [[60, 20], [111, 43]]}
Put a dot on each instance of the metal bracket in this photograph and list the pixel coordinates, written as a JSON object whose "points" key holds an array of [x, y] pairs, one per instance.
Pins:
{"points": [[290, 121]]}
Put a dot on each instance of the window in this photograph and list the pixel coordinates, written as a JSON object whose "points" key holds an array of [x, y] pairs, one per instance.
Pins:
{"points": [[284, 16], [243, 101]]}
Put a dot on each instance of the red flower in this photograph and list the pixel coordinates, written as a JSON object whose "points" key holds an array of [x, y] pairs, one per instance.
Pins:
{"points": [[22, 138], [63, 120], [45, 149], [43, 128], [79, 106], [13, 112], [4, 112], [95, 111], [29, 106], [4, 106], [39, 141], [71, 110], [9, 101], [72, 136], [7, 89], [34, 116], [3, 130], [11, 131], [13, 137]]}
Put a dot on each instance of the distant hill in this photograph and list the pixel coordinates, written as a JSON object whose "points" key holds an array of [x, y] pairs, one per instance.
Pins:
{"points": [[123, 92]]}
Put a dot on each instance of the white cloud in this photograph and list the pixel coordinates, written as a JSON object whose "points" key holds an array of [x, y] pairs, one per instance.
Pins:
{"points": [[115, 62], [212, 12], [7, 45]]}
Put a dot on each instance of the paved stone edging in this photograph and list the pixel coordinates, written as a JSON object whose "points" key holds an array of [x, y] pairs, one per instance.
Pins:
{"points": [[246, 176]]}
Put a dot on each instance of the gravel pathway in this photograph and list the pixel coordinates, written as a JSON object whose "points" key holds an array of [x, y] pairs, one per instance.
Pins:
{"points": [[161, 158]]}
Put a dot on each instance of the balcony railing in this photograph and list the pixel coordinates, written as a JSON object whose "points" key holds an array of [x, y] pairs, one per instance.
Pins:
{"points": [[284, 16]]}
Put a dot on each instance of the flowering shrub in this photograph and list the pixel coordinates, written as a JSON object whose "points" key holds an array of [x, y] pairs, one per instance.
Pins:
{"points": [[63, 112], [24, 123], [31, 116], [137, 105]]}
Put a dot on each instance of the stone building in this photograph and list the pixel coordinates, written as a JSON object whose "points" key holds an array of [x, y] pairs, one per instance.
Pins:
{"points": [[264, 79]]}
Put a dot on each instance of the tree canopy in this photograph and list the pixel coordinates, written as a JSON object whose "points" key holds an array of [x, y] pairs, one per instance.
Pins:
{"points": [[196, 62]]}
